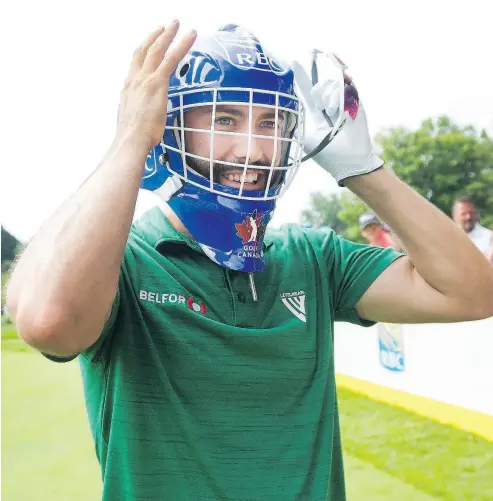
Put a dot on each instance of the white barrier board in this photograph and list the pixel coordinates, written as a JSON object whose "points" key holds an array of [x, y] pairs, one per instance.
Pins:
{"points": [[451, 363]]}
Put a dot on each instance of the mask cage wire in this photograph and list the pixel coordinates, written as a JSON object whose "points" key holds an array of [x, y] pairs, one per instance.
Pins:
{"points": [[294, 138]]}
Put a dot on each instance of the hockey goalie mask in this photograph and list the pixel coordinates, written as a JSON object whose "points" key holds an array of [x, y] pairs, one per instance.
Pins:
{"points": [[231, 147]]}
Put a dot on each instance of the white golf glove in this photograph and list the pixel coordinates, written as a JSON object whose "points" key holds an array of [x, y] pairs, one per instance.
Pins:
{"points": [[336, 131]]}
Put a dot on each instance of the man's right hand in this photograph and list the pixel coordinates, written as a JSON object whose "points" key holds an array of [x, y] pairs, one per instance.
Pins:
{"points": [[143, 103]]}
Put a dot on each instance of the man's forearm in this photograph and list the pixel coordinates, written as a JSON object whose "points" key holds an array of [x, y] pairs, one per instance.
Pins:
{"points": [[67, 277], [441, 253]]}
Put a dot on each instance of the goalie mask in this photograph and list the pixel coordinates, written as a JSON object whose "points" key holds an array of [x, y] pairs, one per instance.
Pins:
{"points": [[231, 147]]}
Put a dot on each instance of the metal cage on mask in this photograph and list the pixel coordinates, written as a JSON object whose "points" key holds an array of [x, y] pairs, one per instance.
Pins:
{"points": [[287, 138]]}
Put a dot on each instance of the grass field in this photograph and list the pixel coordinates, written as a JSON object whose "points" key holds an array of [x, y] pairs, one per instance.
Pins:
{"points": [[390, 454]]}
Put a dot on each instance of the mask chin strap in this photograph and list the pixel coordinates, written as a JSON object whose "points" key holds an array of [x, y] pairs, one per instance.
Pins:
{"points": [[328, 138]]}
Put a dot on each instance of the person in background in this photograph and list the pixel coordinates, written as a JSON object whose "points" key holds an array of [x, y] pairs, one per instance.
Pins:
{"points": [[465, 215], [373, 231]]}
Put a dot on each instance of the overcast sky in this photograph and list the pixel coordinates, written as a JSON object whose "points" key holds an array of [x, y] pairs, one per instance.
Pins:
{"points": [[64, 64]]}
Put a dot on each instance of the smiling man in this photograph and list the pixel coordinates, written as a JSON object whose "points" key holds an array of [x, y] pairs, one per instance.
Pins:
{"points": [[232, 147], [205, 339]]}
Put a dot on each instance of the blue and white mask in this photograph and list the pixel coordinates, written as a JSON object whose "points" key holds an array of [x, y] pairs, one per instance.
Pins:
{"points": [[231, 147]]}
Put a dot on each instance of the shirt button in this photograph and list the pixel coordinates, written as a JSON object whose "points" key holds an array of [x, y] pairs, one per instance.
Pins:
{"points": [[241, 297]]}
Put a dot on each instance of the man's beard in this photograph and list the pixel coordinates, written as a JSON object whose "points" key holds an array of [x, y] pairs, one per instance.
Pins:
{"points": [[203, 167]]}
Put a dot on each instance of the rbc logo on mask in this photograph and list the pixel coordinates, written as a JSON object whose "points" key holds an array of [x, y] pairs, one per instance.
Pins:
{"points": [[391, 347], [244, 51]]}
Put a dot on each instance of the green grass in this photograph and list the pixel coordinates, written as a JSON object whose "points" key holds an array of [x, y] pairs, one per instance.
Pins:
{"points": [[444, 462], [390, 454], [8, 331], [47, 451], [364, 482]]}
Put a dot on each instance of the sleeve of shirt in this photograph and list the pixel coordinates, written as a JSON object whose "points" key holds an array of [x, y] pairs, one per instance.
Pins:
{"points": [[352, 269]]}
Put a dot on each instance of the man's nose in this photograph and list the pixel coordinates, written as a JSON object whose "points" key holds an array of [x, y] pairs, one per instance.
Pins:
{"points": [[247, 148]]}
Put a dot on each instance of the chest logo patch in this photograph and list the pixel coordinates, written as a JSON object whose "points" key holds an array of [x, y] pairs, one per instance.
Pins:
{"points": [[295, 303], [178, 299]]}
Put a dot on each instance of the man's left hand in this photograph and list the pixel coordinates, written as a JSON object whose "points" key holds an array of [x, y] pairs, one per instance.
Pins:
{"points": [[336, 121]]}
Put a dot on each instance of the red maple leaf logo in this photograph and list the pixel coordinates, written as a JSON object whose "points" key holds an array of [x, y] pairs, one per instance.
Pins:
{"points": [[251, 229]]}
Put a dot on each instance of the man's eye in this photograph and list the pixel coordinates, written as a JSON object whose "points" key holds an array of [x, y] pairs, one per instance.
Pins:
{"points": [[269, 124], [224, 121]]}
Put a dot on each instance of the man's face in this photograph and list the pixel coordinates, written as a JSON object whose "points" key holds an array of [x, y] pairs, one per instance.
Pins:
{"points": [[234, 147], [465, 215], [371, 232]]}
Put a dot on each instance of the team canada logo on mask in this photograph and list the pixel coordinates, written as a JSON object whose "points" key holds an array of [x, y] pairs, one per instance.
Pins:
{"points": [[251, 229]]}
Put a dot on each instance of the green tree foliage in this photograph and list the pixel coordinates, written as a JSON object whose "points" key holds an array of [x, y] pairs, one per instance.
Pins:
{"points": [[443, 160], [324, 211], [351, 209], [10, 245], [4, 283], [339, 212]]}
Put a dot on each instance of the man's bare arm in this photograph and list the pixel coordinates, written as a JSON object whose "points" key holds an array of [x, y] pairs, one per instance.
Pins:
{"points": [[61, 290], [444, 277]]}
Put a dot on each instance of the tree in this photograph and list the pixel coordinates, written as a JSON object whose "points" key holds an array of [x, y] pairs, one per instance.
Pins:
{"points": [[10, 245], [324, 210], [351, 209], [443, 160], [339, 212]]}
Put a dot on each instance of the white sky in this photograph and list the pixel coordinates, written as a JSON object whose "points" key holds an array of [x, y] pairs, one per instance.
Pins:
{"points": [[64, 64]]}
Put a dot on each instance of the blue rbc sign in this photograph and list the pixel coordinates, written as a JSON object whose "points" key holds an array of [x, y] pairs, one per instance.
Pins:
{"points": [[391, 347]]}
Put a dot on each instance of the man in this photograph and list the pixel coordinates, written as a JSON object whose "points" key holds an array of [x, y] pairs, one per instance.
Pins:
{"points": [[466, 216], [372, 230], [206, 346]]}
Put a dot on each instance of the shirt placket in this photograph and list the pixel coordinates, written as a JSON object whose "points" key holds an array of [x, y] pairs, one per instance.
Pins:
{"points": [[239, 292]]}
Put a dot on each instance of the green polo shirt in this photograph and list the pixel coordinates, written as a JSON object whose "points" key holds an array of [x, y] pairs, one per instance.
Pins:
{"points": [[195, 392]]}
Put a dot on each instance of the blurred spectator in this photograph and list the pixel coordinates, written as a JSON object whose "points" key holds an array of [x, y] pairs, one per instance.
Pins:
{"points": [[466, 216], [373, 230], [490, 254]]}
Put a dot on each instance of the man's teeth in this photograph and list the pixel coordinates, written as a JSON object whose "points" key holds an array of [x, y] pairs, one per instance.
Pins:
{"points": [[249, 178]]}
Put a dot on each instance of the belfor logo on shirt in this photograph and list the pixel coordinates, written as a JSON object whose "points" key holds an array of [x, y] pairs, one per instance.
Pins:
{"points": [[295, 303], [162, 298]]}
